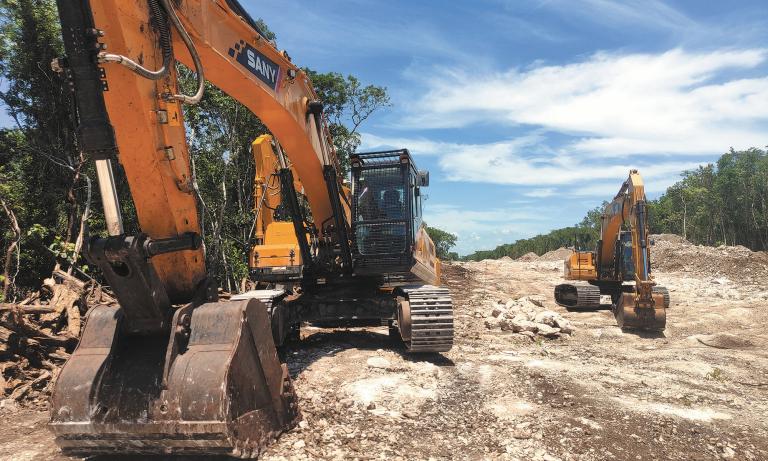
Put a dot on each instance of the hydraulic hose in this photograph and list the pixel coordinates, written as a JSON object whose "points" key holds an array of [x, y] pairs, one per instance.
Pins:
{"points": [[194, 99], [161, 22], [160, 15]]}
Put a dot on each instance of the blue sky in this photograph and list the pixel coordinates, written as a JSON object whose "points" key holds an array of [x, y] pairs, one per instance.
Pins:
{"points": [[529, 113]]}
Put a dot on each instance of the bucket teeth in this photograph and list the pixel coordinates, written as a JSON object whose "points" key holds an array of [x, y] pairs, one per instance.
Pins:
{"points": [[223, 392]]}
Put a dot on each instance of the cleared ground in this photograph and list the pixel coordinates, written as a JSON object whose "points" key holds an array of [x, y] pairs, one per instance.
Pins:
{"points": [[698, 391]]}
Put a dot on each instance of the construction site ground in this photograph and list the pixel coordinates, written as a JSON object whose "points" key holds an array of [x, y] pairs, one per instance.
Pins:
{"points": [[697, 391]]}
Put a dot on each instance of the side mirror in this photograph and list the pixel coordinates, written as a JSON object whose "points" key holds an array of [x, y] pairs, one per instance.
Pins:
{"points": [[423, 180]]}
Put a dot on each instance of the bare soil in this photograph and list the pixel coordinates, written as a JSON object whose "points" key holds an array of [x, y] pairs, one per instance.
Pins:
{"points": [[698, 391]]}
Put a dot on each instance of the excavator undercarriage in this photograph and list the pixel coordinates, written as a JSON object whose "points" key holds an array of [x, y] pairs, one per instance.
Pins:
{"points": [[629, 312]]}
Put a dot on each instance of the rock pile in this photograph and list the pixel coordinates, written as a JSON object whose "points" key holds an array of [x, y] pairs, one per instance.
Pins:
{"points": [[526, 316], [531, 256]]}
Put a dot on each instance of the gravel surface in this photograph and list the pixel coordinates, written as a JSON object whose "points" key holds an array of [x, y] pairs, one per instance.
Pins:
{"points": [[697, 391]]}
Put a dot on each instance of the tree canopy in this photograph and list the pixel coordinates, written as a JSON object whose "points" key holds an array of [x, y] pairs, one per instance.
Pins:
{"points": [[443, 241], [722, 203]]}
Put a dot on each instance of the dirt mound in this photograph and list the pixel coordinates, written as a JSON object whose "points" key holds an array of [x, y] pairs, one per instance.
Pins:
{"points": [[556, 255], [505, 258], [725, 341], [736, 263], [529, 257]]}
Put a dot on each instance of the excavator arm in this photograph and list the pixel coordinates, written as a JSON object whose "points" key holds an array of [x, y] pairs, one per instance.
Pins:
{"points": [[278, 252]]}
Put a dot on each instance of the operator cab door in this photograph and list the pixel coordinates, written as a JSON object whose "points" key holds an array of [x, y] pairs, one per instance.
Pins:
{"points": [[382, 210]]}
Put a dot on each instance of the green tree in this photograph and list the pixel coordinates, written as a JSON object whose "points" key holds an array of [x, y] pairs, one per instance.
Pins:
{"points": [[443, 241], [723, 203], [348, 104], [43, 170]]}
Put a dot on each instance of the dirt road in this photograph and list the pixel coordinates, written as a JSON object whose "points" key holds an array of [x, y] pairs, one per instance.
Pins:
{"points": [[699, 391]]}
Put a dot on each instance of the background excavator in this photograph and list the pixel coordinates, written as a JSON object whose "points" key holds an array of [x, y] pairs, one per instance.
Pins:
{"points": [[172, 369], [620, 266]]}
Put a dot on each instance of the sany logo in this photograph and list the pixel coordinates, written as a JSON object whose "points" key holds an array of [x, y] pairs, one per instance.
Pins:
{"points": [[258, 64]]}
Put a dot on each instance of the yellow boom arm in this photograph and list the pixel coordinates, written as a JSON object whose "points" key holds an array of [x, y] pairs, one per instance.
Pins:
{"points": [[627, 207]]}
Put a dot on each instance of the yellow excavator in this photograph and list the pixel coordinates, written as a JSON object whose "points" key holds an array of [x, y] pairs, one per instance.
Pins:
{"points": [[389, 273], [171, 369], [620, 266]]}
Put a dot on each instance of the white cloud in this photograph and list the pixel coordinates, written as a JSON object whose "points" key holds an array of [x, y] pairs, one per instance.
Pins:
{"points": [[423, 146], [675, 102], [526, 161], [487, 228], [541, 193]]}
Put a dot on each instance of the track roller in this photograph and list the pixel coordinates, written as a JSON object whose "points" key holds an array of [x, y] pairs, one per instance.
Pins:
{"points": [[425, 318], [577, 296]]}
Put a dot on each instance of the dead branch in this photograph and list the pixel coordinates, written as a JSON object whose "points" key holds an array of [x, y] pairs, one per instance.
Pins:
{"points": [[27, 309], [22, 390], [7, 279]]}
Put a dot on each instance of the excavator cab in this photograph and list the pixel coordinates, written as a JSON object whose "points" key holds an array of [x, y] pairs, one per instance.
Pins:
{"points": [[386, 211], [627, 265]]}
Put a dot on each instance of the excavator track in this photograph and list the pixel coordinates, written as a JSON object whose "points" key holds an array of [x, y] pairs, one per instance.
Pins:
{"points": [[664, 292], [425, 319], [577, 296]]}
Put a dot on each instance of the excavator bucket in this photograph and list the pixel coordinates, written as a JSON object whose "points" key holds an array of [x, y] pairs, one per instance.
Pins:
{"points": [[631, 315], [213, 386]]}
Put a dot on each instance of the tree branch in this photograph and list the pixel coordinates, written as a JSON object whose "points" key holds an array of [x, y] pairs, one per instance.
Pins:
{"points": [[14, 246]]}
